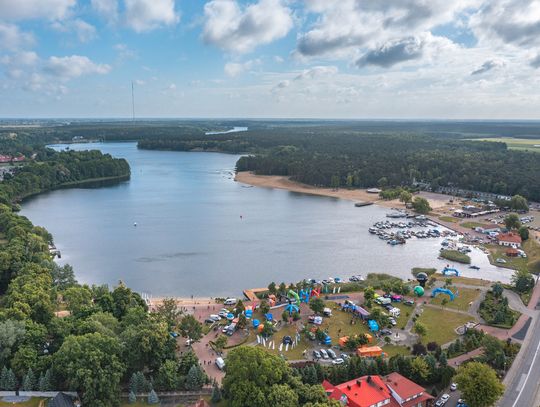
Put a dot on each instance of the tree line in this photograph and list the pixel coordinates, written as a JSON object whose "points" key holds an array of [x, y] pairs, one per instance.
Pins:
{"points": [[324, 156]]}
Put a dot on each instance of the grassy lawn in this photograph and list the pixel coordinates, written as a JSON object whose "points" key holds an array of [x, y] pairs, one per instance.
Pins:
{"points": [[496, 251], [440, 324], [454, 255], [532, 248], [461, 302], [33, 402], [448, 219], [466, 280], [392, 350], [472, 225]]}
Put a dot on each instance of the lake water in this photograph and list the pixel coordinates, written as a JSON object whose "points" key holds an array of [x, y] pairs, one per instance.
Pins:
{"points": [[201, 233]]}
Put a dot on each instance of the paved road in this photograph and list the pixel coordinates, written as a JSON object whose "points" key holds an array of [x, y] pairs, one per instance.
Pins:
{"points": [[522, 381]]}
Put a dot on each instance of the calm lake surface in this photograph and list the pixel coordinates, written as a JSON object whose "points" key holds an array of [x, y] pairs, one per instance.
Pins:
{"points": [[201, 233]]}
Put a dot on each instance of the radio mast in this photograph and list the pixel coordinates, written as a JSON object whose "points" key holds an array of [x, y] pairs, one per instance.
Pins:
{"points": [[132, 103]]}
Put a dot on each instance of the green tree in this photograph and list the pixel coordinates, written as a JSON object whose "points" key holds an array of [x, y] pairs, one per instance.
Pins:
{"points": [[78, 299], [421, 205], [153, 397], [317, 305], [519, 203], [523, 281], [272, 288], [369, 295], [63, 277], [167, 378], [335, 182], [405, 197], [195, 378], [282, 395], [264, 307], [216, 393], [187, 360], [190, 328], [242, 321], [479, 384], [220, 343], [91, 365], [524, 233], [137, 383], [11, 335], [29, 381], [168, 310], [132, 398], [45, 381], [511, 221], [420, 329], [419, 370], [251, 373]]}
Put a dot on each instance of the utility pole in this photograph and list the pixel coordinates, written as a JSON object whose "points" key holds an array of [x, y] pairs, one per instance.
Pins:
{"points": [[132, 103]]}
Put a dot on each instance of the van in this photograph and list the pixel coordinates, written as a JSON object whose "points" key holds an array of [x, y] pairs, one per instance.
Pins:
{"points": [[220, 363], [230, 301], [327, 312], [395, 312], [383, 300]]}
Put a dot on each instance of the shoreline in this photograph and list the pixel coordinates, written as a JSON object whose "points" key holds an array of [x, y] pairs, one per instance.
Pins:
{"points": [[436, 201]]}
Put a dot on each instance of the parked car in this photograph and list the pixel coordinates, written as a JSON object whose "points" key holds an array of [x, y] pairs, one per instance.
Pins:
{"points": [[386, 332], [214, 317], [408, 302], [388, 307], [230, 301], [223, 314], [443, 400], [287, 340], [331, 353], [344, 356], [316, 354], [453, 387], [220, 363], [338, 361], [209, 321], [392, 321], [324, 354]]}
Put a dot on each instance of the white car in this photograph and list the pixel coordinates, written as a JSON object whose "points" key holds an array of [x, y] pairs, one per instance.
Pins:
{"points": [[338, 361], [453, 387], [324, 354], [223, 314], [442, 401]]}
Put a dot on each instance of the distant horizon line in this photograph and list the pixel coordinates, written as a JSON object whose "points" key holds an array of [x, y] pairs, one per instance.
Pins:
{"points": [[156, 118]]}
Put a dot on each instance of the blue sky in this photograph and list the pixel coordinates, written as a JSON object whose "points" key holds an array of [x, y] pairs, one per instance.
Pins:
{"points": [[270, 58]]}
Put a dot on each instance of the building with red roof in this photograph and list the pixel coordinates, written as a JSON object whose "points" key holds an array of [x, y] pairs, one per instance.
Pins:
{"points": [[393, 390], [509, 239]]}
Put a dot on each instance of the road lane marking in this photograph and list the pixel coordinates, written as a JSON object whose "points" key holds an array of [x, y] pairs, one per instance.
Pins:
{"points": [[528, 373]]}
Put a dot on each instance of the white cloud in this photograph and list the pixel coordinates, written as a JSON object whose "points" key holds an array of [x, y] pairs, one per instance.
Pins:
{"points": [[107, 9], [12, 38], [146, 15], [65, 68], [232, 28], [343, 29], [317, 72], [84, 31], [124, 52], [233, 69], [508, 22], [30, 9]]}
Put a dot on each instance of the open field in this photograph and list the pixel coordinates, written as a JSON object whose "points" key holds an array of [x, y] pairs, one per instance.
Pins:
{"points": [[440, 324], [465, 280], [392, 350], [461, 302], [472, 225], [531, 263], [449, 219], [516, 143]]}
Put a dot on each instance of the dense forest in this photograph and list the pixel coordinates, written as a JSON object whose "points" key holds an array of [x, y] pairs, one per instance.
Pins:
{"points": [[329, 157], [50, 169]]}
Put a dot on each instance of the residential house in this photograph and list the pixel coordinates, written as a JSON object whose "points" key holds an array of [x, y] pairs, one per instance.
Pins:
{"points": [[393, 390], [509, 239]]}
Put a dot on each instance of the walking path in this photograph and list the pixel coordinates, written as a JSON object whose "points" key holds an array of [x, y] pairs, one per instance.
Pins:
{"points": [[458, 360]]}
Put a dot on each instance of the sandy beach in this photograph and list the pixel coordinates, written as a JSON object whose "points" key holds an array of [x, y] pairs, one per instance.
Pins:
{"points": [[437, 201]]}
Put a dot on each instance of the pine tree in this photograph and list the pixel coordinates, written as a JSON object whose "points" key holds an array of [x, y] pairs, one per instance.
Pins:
{"points": [[138, 383], [45, 381], [3, 378], [29, 381], [195, 378], [443, 360], [11, 381], [153, 398], [132, 398], [216, 394]]}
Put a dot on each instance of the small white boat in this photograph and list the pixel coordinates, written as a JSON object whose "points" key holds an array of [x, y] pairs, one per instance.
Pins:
{"points": [[134, 223]]}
